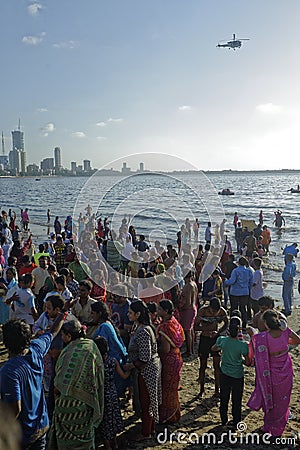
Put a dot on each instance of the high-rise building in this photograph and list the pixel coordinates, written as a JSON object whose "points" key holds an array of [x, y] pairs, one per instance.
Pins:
{"points": [[18, 139], [57, 159], [73, 166], [15, 160], [125, 170], [23, 161], [86, 165], [17, 156], [141, 167], [47, 165]]}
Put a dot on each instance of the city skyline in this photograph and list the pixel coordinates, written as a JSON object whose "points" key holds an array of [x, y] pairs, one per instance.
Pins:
{"points": [[127, 78]]}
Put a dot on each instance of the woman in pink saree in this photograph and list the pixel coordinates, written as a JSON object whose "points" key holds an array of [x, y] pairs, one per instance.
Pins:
{"points": [[274, 374], [170, 336]]}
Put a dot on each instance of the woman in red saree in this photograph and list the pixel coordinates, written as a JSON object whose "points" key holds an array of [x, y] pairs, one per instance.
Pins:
{"points": [[274, 374], [170, 337]]}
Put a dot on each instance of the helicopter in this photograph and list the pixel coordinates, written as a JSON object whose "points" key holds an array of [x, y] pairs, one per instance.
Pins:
{"points": [[234, 43]]}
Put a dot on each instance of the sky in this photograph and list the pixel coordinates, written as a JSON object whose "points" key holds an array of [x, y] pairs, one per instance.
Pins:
{"points": [[105, 79]]}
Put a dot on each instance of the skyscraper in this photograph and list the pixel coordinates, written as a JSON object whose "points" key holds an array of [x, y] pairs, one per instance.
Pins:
{"points": [[86, 165], [17, 156], [18, 139], [57, 159]]}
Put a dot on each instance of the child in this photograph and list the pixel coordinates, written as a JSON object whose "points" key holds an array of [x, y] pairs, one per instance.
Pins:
{"points": [[112, 422], [24, 303], [60, 287], [236, 313], [218, 286], [152, 308], [53, 307], [231, 371], [257, 288], [98, 291], [265, 303], [8, 287]]}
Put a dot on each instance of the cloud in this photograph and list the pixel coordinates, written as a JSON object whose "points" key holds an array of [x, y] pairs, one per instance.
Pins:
{"points": [[41, 110], [115, 120], [48, 128], [101, 138], [78, 134], [65, 44], [33, 40], [269, 108], [34, 9], [184, 108], [101, 124]]}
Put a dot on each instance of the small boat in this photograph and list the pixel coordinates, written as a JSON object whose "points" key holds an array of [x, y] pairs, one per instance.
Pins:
{"points": [[226, 192], [294, 191], [37, 179]]}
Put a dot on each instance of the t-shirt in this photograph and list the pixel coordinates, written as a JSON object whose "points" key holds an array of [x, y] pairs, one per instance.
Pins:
{"points": [[232, 351], [21, 379], [257, 291], [23, 305]]}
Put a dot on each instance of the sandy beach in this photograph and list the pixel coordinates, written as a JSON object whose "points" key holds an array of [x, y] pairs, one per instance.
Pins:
{"points": [[200, 425], [201, 417]]}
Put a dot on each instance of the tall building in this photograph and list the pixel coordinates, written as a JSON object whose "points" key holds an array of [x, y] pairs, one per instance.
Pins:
{"points": [[18, 139], [3, 157], [15, 160], [23, 161], [17, 156], [73, 166], [47, 165], [141, 167], [125, 170], [86, 165], [57, 159]]}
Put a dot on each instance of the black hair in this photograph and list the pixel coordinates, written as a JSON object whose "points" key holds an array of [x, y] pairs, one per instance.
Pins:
{"points": [[64, 271], [235, 313], [215, 303], [167, 306], [234, 326], [150, 275], [27, 278], [11, 260], [16, 336], [152, 307], [87, 284], [272, 320], [100, 307], [52, 268], [266, 300], [61, 279], [141, 307], [242, 261], [56, 301], [102, 345], [25, 259], [74, 329]]}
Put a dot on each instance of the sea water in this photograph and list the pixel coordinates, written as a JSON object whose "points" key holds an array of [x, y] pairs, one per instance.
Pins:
{"points": [[160, 203]]}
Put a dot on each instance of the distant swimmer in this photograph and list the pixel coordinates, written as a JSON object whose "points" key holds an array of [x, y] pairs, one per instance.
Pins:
{"points": [[88, 210], [279, 219]]}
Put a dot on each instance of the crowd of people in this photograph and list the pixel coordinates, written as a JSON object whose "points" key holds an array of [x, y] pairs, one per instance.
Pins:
{"points": [[97, 318]]}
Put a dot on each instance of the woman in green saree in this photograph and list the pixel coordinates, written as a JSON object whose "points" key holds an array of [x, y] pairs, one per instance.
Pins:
{"points": [[79, 384]]}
